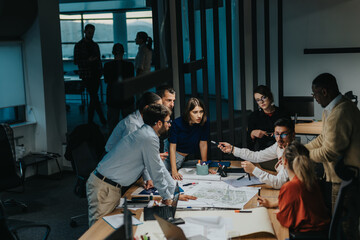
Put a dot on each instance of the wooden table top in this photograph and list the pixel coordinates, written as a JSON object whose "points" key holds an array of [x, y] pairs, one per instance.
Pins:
{"points": [[101, 229], [313, 128]]}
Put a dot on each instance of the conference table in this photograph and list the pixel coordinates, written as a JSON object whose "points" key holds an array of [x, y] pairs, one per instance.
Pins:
{"points": [[102, 229]]}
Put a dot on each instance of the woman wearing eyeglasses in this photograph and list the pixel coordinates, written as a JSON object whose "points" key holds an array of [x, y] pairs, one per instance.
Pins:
{"points": [[261, 122], [300, 202], [188, 135]]}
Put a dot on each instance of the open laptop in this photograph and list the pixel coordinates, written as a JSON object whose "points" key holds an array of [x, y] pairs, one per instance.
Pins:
{"points": [[166, 212], [173, 232], [125, 231]]}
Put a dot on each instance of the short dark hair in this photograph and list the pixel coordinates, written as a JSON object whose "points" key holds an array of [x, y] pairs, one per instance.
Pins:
{"points": [[89, 26], [265, 91], [147, 99], [327, 81], [118, 48], [161, 90], [155, 113], [285, 122], [190, 105]]}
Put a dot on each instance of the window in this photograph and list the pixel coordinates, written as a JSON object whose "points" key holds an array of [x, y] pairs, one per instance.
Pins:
{"points": [[72, 27], [12, 89], [137, 22]]}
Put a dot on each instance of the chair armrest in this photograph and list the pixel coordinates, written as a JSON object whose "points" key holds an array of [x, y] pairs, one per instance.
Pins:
{"points": [[319, 235]]}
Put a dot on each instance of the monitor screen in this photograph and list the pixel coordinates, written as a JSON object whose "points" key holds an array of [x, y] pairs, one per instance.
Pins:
{"points": [[300, 106]]}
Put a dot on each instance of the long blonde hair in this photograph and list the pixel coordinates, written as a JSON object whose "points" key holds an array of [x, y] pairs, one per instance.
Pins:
{"points": [[300, 163]]}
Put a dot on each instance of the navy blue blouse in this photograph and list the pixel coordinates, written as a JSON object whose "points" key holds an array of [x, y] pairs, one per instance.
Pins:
{"points": [[187, 137]]}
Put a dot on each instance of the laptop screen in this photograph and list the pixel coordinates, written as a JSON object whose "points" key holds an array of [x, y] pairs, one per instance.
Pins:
{"points": [[175, 199]]}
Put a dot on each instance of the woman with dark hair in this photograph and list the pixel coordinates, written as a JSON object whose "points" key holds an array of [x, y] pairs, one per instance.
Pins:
{"points": [[188, 135], [261, 122], [301, 205], [144, 55]]}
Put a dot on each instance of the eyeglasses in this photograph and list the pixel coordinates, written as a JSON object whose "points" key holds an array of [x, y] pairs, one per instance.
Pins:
{"points": [[262, 99], [281, 135], [169, 121]]}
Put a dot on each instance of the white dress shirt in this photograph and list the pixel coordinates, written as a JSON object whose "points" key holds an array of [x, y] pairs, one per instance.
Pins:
{"points": [[126, 126], [127, 160], [143, 58], [267, 154]]}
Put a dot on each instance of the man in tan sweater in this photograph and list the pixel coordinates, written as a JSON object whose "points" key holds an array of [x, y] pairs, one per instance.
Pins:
{"points": [[340, 135]]}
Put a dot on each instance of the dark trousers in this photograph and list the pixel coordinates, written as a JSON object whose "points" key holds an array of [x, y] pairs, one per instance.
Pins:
{"points": [[92, 86]]}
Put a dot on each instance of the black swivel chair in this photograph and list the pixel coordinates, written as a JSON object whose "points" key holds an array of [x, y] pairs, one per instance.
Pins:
{"points": [[10, 172], [8, 233], [86, 146], [343, 210]]}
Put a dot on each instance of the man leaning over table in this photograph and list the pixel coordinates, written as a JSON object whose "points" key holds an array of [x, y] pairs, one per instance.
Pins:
{"points": [[339, 138], [125, 163], [284, 134]]}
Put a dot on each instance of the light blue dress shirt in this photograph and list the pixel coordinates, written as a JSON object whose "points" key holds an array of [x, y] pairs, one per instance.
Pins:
{"points": [[125, 163], [126, 126]]}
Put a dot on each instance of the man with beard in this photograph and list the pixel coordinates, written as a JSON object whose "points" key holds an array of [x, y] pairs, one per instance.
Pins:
{"points": [[284, 134], [125, 163]]}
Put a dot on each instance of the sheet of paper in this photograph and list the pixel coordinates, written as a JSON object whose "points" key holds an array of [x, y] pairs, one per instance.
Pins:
{"points": [[236, 224], [217, 194], [211, 227], [243, 223], [190, 174], [242, 182], [118, 219]]}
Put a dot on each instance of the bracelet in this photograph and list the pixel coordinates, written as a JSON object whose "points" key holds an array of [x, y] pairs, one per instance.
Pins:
{"points": [[232, 149]]}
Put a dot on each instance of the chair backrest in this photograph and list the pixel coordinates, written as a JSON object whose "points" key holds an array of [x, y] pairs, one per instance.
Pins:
{"points": [[5, 232], [8, 169], [346, 205], [89, 133], [85, 160], [86, 145]]}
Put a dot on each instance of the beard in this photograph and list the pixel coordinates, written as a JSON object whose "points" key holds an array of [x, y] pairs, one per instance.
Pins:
{"points": [[163, 132]]}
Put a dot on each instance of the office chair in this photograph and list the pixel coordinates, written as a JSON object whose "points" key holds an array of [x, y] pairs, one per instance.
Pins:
{"points": [[86, 146], [9, 233], [10, 175], [343, 210]]}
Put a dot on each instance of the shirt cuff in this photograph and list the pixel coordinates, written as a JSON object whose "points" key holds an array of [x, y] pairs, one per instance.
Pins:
{"points": [[257, 171]]}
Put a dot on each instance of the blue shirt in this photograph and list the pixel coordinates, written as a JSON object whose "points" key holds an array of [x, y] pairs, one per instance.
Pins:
{"points": [[125, 163], [187, 137]]}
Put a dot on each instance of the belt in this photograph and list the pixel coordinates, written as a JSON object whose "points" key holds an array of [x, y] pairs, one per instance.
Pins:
{"points": [[109, 181]]}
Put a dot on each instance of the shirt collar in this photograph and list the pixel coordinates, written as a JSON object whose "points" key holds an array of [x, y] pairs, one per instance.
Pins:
{"points": [[333, 103], [138, 116]]}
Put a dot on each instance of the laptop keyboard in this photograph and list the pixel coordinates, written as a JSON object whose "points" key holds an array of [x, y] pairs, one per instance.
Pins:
{"points": [[165, 212]]}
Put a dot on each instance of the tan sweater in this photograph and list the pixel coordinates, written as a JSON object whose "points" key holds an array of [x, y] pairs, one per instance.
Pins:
{"points": [[340, 136]]}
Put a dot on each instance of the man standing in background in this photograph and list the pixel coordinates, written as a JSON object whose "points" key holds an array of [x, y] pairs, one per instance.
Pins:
{"points": [[87, 57]]}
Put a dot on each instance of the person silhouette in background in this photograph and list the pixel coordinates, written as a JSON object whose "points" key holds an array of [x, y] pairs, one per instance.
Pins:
{"points": [[114, 72], [144, 55], [87, 57]]}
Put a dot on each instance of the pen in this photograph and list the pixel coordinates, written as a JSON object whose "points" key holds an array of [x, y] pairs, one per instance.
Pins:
{"points": [[188, 184], [240, 177], [249, 176], [243, 211]]}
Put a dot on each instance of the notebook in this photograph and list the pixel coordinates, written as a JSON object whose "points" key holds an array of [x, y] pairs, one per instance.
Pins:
{"points": [[125, 231]]}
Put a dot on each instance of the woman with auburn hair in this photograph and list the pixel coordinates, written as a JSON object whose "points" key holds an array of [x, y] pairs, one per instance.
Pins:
{"points": [[188, 135], [300, 202], [261, 121]]}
